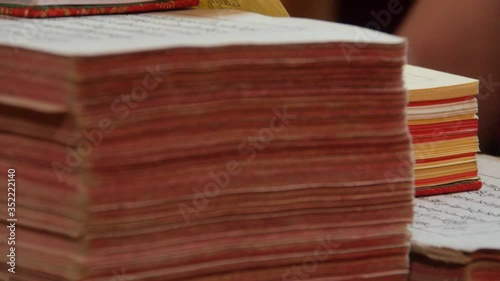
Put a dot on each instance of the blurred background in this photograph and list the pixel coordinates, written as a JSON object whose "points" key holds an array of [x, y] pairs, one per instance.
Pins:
{"points": [[456, 36]]}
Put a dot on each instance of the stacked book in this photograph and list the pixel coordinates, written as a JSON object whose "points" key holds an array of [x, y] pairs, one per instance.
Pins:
{"points": [[199, 146], [444, 125]]}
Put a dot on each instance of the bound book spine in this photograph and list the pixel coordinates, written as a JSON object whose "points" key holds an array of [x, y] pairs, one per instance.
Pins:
{"points": [[68, 11]]}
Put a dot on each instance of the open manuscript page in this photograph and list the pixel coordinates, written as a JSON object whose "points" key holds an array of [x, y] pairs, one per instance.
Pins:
{"points": [[463, 222], [117, 34]]}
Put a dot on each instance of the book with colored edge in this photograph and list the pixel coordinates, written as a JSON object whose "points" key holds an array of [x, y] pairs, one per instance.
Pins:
{"points": [[444, 125], [66, 8], [455, 236], [200, 145]]}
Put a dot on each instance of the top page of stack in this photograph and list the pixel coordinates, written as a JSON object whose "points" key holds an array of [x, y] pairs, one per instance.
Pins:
{"points": [[122, 34]]}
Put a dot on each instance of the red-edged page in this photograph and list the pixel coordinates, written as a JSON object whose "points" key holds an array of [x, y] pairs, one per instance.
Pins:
{"points": [[449, 188], [88, 10]]}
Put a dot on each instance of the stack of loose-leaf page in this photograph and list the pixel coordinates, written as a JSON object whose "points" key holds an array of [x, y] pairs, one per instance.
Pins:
{"points": [[197, 145], [444, 125]]}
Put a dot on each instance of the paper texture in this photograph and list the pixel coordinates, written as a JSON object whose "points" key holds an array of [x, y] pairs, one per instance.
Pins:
{"points": [[431, 85], [417, 78], [266, 7], [114, 34], [442, 110], [465, 221]]}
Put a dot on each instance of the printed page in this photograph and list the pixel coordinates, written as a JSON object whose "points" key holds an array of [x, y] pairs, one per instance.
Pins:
{"points": [[115, 34], [464, 221], [266, 7]]}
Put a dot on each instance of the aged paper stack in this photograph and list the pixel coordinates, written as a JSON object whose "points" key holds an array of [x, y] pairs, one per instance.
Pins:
{"points": [[199, 145], [455, 237], [443, 122]]}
